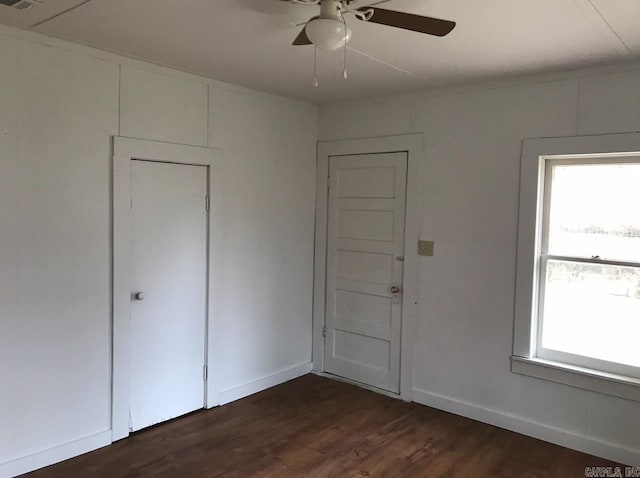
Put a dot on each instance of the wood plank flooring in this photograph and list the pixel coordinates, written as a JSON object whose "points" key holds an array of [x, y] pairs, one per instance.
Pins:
{"points": [[318, 427]]}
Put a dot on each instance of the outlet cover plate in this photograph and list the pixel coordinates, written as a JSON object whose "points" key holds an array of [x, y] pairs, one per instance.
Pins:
{"points": [[425, 248]]}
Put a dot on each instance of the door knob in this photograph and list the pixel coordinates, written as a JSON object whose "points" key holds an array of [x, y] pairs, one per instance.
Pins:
{"points": [[395, 289], [139, 295]]}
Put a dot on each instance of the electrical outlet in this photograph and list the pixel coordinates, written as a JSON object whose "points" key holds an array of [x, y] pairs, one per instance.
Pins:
{"points": [[425, 248]]}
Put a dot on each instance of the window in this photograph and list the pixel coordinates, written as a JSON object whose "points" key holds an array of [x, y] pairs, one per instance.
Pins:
{"points": [[578, 290], [589, 282]]}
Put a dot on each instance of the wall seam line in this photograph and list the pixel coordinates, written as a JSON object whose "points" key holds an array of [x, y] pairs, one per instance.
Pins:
{"points": [[119, 98], [208, 116], [578, 106]]}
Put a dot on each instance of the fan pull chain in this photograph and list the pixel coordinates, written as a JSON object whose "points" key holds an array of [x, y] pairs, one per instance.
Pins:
{"points": [[344, 71], [315, 66], [345, 75]]}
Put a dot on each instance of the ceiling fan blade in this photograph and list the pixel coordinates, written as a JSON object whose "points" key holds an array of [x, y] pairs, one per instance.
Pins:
{"points": [[409, 21], [302, 38]]}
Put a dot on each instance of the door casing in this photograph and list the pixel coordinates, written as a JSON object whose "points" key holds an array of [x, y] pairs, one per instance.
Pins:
{"points": [[412, 144], [125, 150]]}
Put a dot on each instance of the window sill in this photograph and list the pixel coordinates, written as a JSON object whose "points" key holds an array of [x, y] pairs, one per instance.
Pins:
{"points": [[580, 377]]}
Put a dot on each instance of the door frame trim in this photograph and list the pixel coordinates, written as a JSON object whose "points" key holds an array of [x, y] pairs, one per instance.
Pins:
{"points": [[124, 150], [412, 144]]}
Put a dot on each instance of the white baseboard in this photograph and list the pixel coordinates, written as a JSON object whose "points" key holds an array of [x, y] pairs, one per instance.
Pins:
{"points": [[53, 455], [263, 383], [524, 426]]}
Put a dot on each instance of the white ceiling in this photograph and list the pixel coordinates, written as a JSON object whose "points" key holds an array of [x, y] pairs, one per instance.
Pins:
{"points": [[248, 42]]}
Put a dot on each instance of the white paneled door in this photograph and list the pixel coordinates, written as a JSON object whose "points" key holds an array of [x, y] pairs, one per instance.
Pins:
{"points": [[168, 309], [365, 249]]}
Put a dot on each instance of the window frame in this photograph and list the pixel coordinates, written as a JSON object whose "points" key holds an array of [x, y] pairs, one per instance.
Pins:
{"points": [[538, 158]]}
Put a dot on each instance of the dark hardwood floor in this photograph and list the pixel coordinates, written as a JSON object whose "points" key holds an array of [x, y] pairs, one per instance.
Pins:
{"points": [[318, 427]]}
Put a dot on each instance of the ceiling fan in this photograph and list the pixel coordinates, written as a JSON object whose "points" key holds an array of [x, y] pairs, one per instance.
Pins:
{"points": [[329, 30]]}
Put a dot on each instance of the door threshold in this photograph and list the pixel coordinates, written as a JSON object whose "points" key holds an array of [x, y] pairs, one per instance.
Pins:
{"points": [[371, 388]]}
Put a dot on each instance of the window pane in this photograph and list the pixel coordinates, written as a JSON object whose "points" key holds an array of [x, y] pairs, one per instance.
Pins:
{"points": [[592, 310], [594, 211]]}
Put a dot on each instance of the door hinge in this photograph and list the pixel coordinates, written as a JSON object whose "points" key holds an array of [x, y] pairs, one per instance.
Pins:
{"points": [[205, 373], [206, 203], [324, 331]]}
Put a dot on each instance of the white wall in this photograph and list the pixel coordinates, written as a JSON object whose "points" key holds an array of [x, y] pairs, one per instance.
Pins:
{"points": [[469, 208], [58, 112], [59, 105], [269, 191]]}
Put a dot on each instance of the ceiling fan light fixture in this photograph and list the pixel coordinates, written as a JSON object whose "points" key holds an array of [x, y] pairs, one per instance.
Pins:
{"points": [[328, 34]]}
